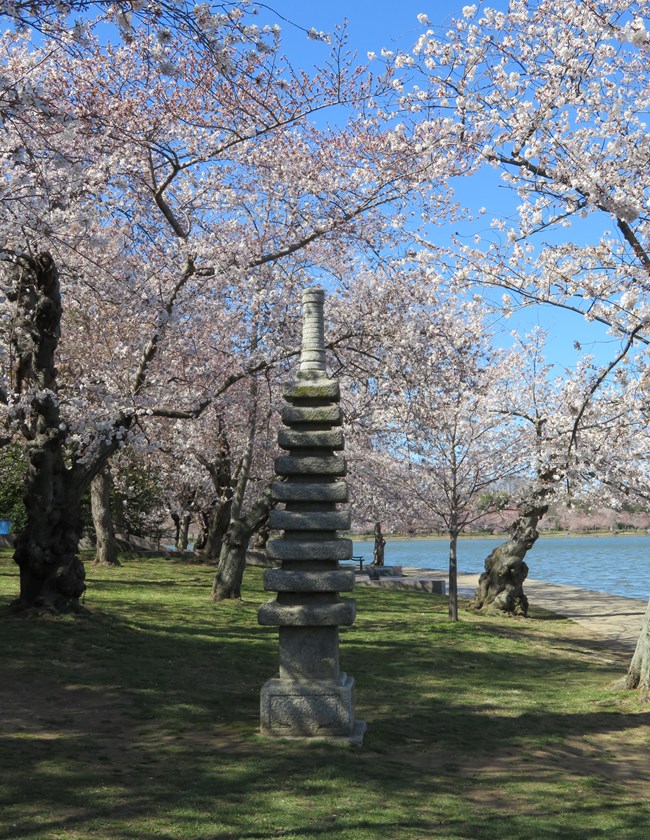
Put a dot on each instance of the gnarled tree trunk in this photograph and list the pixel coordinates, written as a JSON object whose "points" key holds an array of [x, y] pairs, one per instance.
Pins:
{"points": [[100, 504], [261, 537], [638, 675], [232, 561], [217, 519], [51, 573], [378, 550], [218, 524], [202, 536], [500, 587], [453, 575], [182, 529]]}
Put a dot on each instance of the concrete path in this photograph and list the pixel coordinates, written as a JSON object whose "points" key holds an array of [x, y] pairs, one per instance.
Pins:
{"points": [[609, 616]]}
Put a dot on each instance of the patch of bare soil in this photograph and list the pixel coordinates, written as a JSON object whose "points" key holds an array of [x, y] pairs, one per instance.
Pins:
{"points": [[621, 757], [100, 723], [610, 747]]}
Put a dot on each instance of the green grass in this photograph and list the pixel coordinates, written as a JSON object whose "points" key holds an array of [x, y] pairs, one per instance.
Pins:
{"points": [[139, 720]]}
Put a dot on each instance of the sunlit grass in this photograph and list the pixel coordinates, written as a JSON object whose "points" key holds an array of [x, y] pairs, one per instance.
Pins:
{"points": [[139, 720]]}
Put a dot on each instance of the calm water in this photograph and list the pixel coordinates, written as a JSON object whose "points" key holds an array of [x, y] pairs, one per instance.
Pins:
{"points": [[618, 565]]}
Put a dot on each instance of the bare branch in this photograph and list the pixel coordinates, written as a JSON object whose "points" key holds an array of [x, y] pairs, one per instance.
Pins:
{"points": [[604, 373]]}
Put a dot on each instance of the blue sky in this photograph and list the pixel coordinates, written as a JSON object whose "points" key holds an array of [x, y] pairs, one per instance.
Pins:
{"points": [[373, 24]]}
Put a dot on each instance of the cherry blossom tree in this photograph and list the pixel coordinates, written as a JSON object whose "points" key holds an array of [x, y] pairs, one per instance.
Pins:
{"points": [[182, 189], [552, 97], [529, 396], [570, 426], [241, 471], [442, 420], [467, 451]]}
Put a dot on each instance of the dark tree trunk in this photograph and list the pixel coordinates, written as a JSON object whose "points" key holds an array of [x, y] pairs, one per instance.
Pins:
{"points": [[500, 587], [217, 519], [181, 529], [218, 525], [453, 577], [51, 573], [380, 543], [639, 674], [204, 524], [100, 503], [176, 519], [232, 561], [182, 535], [261, 537]]}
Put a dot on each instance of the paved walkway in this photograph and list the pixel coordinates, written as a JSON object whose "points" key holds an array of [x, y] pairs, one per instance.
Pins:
{"points": [[610, 616]]}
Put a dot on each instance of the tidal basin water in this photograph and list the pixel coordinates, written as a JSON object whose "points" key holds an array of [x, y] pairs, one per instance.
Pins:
{"points": [[618, 565]]}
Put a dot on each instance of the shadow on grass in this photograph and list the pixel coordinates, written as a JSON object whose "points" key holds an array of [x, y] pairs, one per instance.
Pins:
{"points": [[139, 721]]}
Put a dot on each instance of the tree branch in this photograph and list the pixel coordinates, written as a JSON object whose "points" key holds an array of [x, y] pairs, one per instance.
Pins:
{"points": [[152, 345], [596, 385]]}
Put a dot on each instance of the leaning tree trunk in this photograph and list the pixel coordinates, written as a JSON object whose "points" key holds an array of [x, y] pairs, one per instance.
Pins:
{"points": [[202, 536], [379, 548], [500, 587], [218, 526], [232, 561], [217, 520], [261, 537], [639, 674], [176, 519], [51, 573], [100, 504], [453, 575], [183, 534], [182, 529]]}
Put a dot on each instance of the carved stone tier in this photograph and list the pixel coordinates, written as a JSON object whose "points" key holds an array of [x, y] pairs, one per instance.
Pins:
{"points": [[302, 491], [312, 387], [305, 549], [289, 439], [291, 465], [307, 614], [313, 520], [310, 697], [292, 580], [294, 415]]}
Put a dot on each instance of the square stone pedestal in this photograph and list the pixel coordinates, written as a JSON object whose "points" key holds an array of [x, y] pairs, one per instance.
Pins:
{"points": [[317, 709]]}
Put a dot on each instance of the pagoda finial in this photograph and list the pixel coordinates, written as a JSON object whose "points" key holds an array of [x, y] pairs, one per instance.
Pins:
{"points": [[312, 353]]}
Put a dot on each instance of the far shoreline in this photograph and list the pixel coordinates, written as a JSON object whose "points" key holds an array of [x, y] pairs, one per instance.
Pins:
{"points": [[369, 538]]}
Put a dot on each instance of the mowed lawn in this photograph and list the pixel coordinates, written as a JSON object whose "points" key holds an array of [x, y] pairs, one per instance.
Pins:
{"points": [[139, 720]]}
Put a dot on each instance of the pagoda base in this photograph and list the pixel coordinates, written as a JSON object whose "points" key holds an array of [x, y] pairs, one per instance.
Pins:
{"points": [[319, 709]]}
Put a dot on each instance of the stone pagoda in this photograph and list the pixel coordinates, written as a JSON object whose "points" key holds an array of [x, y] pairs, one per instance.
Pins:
{"points": [[310, 697]]}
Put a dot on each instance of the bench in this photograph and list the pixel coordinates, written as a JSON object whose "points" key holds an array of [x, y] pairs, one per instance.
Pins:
{"points": [[358, 558]]}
